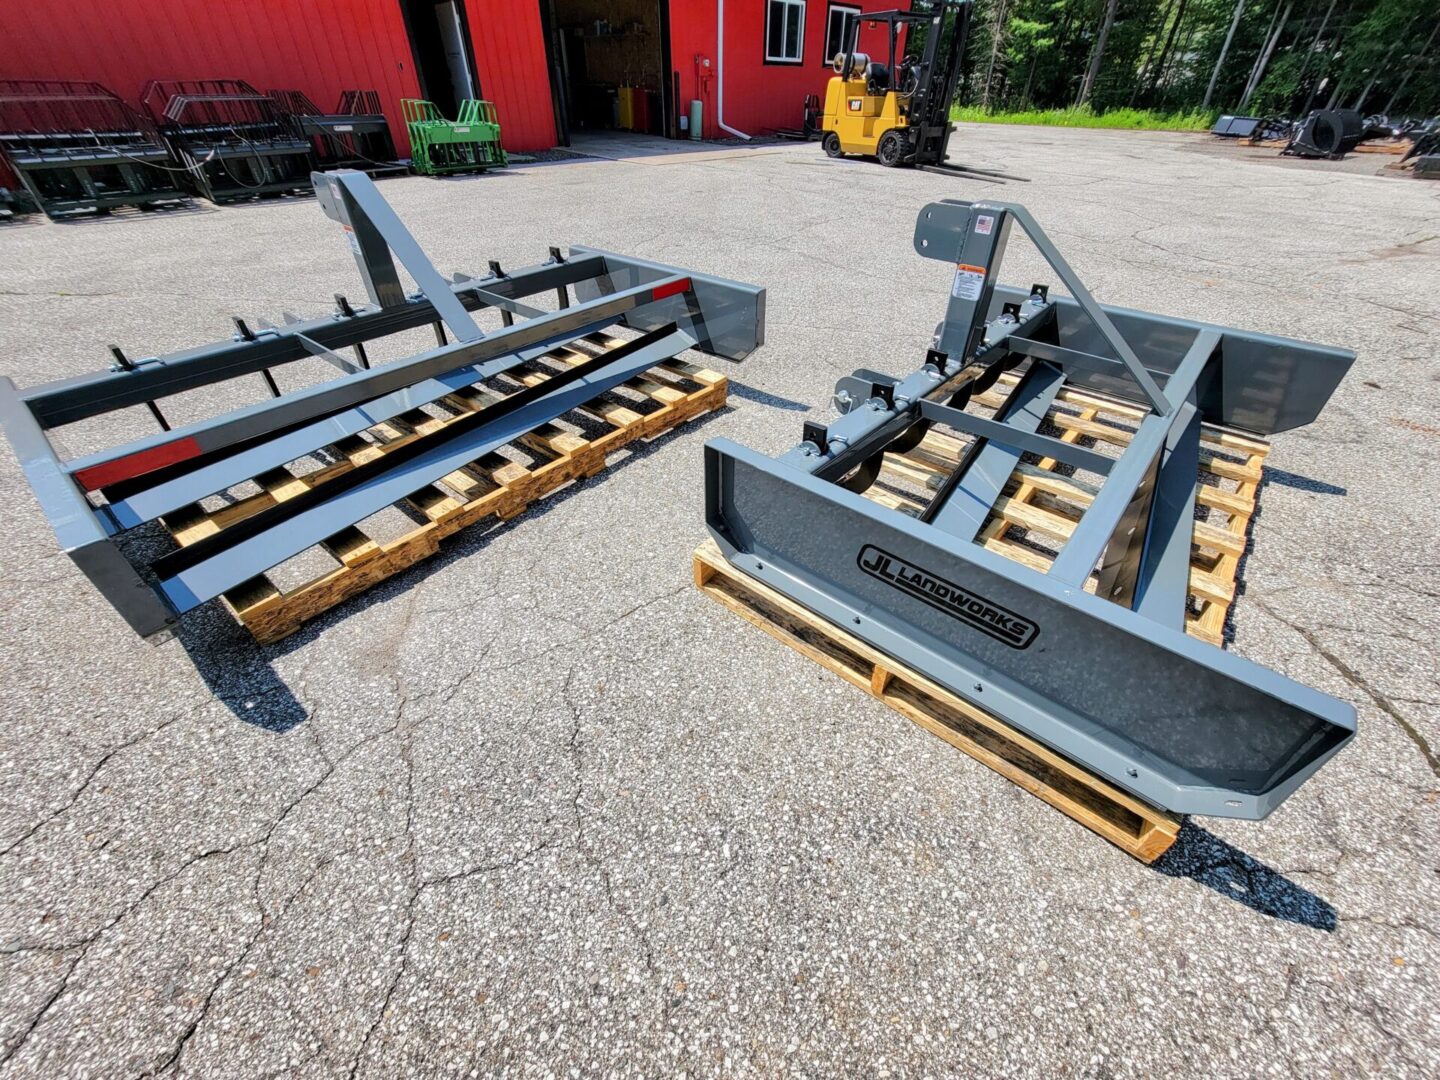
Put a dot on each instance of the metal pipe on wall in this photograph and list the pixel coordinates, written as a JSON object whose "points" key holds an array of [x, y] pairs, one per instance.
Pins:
{"points": [[720, 72]]}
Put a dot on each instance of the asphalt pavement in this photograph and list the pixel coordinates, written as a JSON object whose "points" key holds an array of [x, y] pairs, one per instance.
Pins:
{"points": [[537, 807]]}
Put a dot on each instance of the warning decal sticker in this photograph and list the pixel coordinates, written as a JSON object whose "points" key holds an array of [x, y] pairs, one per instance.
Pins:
{"points": [[969, 280]]}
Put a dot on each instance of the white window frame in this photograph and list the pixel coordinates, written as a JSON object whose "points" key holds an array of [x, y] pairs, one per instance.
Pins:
{"points": [[772, 57], [842, 10]]}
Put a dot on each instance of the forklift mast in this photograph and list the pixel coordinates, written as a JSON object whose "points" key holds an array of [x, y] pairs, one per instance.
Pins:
{"points": [[936, 76], [937, 82]]}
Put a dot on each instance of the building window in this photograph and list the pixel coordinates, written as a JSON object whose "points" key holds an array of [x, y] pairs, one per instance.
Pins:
{"points": [[839, 25], [784, 31]]}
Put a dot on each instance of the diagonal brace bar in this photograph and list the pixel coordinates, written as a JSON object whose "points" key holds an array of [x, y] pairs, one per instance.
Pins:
{"points": [[361, 191], [1091, 307]]}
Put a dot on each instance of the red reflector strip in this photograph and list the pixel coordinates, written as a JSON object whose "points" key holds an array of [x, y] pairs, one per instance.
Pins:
{"points": [[662, 291], [133, 465]]}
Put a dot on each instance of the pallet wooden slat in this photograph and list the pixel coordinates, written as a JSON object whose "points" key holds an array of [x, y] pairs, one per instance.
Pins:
{"points": [[1046, 504], [494, 485], [1131, 824]]}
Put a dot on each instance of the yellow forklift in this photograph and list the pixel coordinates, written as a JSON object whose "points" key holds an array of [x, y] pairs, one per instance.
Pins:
{"points": [[900, 114]]}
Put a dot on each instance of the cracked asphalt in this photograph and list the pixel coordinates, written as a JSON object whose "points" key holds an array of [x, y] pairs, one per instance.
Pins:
{"points": [[539, 808]]}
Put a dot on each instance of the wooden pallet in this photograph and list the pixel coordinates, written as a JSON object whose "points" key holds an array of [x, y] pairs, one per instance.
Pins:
{"points": [[1040, 506], [495, 485], [1132, 825], [1397, 146]]}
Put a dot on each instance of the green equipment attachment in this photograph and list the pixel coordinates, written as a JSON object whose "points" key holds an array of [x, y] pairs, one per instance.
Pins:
{"points": [[468, 143]]}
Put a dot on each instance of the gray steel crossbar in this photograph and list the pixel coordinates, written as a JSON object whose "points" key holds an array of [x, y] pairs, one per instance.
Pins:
{"points": [[190, 487], [861, 431], [1007, 435], [66, 401], [970, 493], [504, 303], [1058, 354], [330, 397], [330, 356], [228, 568]]}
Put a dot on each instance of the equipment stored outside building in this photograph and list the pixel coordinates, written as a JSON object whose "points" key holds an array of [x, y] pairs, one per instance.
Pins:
{"points": [[955, 519], [75, 146], [472, 428]]}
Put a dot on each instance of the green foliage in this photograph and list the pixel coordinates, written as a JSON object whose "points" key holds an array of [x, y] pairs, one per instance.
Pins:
{"points": [[1280, 86], [1134, 119], [1160, 56]]}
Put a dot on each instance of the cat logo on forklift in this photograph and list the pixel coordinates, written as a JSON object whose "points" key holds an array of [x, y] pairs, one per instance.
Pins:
{"points": [[856, 104]]}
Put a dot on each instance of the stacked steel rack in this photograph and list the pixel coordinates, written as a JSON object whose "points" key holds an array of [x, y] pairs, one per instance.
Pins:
{"points": [[75, 146], [355, 136], [468, 143], [232, 139]]}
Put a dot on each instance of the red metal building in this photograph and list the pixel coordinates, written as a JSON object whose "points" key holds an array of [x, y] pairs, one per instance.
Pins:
{"points": [[552, 67]]}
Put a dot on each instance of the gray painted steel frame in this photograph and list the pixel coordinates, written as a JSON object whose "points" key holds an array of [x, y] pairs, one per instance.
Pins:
{"points": [[147, 478], [1111, 680]]}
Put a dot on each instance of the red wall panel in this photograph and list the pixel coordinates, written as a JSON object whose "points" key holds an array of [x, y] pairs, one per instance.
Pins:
{"points": [[509, 50], [318, 46], [325, 46], [758, 96]]}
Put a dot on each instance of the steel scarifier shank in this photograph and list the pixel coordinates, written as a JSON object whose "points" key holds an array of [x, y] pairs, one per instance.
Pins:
{"points": [[91, 500], [1108, 678]]}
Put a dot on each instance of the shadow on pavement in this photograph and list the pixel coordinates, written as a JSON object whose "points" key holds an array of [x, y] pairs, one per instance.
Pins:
{"points": [[1295, 480], [1204, 857], [237, 669], [762, 397]]}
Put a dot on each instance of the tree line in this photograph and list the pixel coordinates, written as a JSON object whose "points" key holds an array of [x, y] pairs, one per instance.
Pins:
{"points": [[1259, 57]]}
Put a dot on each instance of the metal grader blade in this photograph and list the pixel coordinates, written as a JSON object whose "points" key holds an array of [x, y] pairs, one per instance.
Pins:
{"points": [[92, 500], [1108, 677]]}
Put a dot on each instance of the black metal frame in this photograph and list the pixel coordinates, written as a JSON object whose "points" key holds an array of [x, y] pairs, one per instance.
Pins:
{"points": [[77, 147], [233, 140], [355, 135]]}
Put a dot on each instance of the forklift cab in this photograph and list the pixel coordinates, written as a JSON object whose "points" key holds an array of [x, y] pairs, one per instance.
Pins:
{"points": [[898, 114]]}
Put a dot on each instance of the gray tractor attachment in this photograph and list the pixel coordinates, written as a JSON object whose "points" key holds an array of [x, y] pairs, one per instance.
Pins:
{"points": [[476, 426], [1019, 519]]}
